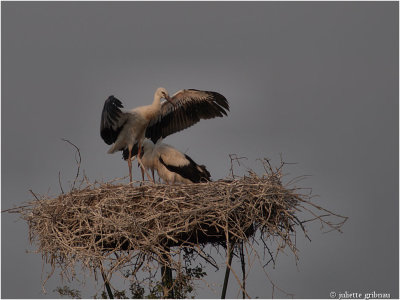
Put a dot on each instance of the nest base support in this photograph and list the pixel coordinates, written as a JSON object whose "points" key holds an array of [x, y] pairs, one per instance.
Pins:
{"points": [[166, 277], [227, 271], [107, 284]]}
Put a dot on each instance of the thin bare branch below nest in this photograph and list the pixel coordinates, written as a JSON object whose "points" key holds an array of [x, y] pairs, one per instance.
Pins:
{"points": [[90, 224]]}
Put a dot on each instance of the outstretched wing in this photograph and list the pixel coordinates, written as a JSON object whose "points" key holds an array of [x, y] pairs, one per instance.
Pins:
{"points": [[112, 120], [190, 106]]}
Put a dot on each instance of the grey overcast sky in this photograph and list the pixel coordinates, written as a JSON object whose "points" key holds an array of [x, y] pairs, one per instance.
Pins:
{"points": [[314, 81]]}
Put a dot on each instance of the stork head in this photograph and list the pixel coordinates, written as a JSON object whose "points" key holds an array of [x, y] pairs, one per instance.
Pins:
{"points": [[147, 145], [162, 93]]}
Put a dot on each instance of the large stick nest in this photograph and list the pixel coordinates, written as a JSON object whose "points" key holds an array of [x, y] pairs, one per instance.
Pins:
{"points": [[144, 223]]}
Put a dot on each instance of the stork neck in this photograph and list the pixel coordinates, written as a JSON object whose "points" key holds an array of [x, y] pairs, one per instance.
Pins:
{"points": [[157, 102]]}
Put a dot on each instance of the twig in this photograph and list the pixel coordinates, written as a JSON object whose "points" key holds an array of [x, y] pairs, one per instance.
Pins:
{"points": [[59, 182], [34, 195], [77, 161], [234, 157]]}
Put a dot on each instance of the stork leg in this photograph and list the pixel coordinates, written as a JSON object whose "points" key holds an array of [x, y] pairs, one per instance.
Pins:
{"points": [[141, 165], [130, 165]]}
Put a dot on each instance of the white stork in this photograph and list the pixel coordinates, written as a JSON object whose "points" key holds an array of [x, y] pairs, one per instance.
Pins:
{"points": [[127, 128], [172, 165], [148, 158]]}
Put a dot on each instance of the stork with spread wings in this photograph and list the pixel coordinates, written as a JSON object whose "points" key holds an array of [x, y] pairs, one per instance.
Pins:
{"points": [[126, 129]]}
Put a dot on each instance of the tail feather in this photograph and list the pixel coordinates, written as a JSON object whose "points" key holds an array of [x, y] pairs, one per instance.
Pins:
{"points": [[205, 175]]}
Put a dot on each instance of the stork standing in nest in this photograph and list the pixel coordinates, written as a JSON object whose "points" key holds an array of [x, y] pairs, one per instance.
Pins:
{"points": [[172, 165], [126, 129]]}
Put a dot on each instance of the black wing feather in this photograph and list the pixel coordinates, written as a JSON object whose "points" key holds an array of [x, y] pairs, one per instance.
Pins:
{"points": [[190, 171], [109, 129], [191, 106]]}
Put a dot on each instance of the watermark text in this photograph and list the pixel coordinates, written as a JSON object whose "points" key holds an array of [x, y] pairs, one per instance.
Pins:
{"points": [[358, 295]]}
